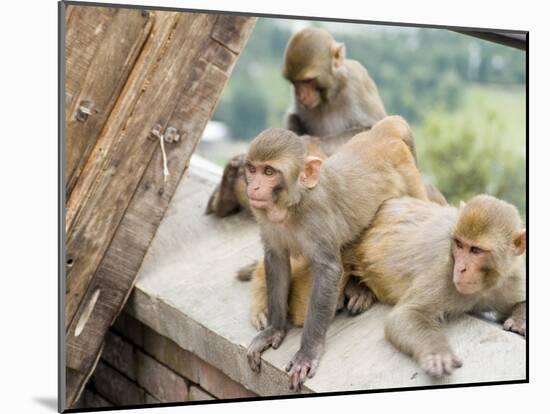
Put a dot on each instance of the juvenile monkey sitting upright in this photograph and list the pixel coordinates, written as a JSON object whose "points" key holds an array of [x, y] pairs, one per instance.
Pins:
{"points": [[431, 262], [309, 207]]}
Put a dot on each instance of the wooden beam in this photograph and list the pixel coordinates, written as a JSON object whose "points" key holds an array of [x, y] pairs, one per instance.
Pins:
{"points": [[112, 43], [120, 197]]}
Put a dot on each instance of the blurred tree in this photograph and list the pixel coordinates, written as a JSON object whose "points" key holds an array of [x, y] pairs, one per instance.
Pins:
{"points": [[473, 151], [247, 104]]}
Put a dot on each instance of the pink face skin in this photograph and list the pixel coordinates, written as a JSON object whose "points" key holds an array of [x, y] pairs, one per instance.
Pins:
{"points": [[307, 94], [468, 269], [262, 178]]}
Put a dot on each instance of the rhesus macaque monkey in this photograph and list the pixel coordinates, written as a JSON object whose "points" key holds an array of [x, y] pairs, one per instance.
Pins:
{"points": [[331, 93], [334, 99], [431, 262], [309, 207]]}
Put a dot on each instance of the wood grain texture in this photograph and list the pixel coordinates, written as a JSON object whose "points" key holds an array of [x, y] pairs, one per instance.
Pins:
{"points": [[85, 30], [119, 43], [136, 84], [120, 197]]}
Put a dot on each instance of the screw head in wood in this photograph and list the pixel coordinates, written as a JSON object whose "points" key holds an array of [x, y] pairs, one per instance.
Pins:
{"points": [[84, 110]]}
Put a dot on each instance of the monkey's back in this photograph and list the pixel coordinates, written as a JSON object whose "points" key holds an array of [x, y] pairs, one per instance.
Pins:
{"points": [[371, 168], [407, 239]]}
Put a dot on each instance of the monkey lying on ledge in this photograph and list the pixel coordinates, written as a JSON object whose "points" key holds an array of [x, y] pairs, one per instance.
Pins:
{"points": [[432, 262], [310, 207]]}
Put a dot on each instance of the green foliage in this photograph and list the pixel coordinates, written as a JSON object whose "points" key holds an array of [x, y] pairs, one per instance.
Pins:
{"points": [[416, 70], [477, 149]]}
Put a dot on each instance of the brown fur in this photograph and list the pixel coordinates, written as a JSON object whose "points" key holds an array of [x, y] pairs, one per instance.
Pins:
{"points": [[349, 97], [405, 259], [312, 214], [350, 104]]}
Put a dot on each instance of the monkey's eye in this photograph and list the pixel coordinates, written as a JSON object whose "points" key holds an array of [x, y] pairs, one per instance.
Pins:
{"points": [[459, 244], [475, 250], [251, 169], [269, 171]]}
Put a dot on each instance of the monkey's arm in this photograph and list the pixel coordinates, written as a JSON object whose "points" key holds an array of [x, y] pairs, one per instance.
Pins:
{"points": [[327, 272], [277, 268], [294, 123], [225, 199], [416, 332]]}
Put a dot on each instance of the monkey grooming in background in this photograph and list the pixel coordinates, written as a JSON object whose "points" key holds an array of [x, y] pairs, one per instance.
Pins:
{"points": [[432, 262], [334, 99], [332, 94], [309, 207]]}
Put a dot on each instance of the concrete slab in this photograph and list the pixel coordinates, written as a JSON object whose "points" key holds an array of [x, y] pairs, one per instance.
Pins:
{"points": [[187, 291]]}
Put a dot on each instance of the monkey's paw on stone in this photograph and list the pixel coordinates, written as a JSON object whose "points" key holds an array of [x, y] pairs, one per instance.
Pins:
{"points": [[300, 367], [438, 364], [259, 320], [517, 326], [269, 337], [359, 296]]}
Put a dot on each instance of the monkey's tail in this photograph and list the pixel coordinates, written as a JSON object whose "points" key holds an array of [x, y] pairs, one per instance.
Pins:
{"points": [[244, 274]]}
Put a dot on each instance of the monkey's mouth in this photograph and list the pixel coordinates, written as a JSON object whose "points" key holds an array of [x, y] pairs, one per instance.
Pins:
{"points": [[259, 203]]}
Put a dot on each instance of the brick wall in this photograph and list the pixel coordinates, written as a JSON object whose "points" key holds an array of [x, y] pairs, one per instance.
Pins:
{"points": [[139, 366]]}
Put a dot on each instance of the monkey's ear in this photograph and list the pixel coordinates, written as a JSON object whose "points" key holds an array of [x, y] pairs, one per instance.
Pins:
{"points": [[312, 171], [338, 53], [520, 242]]}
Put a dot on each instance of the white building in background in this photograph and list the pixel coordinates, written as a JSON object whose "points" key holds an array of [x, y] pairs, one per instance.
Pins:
{"points": [[215, 131]]}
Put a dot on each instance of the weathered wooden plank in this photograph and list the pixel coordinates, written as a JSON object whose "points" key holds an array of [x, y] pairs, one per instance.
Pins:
{"points": [[111, 178], [136, 83], [232, 31], [122, 40], [128, 191], [85, 31]]}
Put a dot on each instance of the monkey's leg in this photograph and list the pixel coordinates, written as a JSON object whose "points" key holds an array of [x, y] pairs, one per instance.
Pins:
{"points": [[278, 284], [258, 314], [224, 201], [359, 296], [327, 272], [516, 322], [416, 333]]}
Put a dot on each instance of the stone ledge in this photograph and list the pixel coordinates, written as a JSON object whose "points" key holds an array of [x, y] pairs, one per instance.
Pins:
{"points": [[186, 290]]}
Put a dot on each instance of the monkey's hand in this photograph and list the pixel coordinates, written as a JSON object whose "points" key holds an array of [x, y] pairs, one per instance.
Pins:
{"points": [[516, 325], [269, 337], [439, 363], [359, 296], [303, 364], [224, 201]]}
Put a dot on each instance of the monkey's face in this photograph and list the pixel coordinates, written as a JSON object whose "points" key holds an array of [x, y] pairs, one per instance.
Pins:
{"points": [[265, 187], [307, 93], [471, 266]]}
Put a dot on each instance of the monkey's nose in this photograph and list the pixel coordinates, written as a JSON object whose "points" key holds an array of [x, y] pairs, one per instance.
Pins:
{"points": [[462, 270]]}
